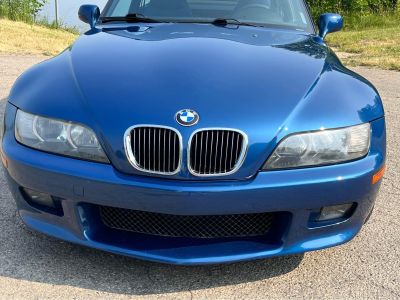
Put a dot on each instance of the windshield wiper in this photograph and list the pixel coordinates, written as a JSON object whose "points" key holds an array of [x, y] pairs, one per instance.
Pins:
{"points": [[131, 18], [222, 21]]}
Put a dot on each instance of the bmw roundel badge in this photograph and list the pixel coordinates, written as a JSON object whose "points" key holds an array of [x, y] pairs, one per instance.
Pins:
{"points": [[187, 117]]}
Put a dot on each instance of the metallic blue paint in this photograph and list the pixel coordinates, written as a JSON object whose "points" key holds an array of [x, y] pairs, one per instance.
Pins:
{"points": [[269, 86], [329, 23], [89, 14], [269, 83]]}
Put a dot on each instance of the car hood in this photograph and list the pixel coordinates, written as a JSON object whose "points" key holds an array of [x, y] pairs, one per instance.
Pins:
{"points": [[266, 83]]}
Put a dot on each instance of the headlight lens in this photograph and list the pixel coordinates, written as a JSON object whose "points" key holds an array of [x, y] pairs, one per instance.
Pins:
{"points": [[60, 137], [321, 148]]}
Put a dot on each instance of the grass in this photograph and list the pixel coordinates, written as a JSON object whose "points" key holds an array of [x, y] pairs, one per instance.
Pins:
{"points": [[375, 47], [34, 39], [369, 39], [370, 20], [53, 25]]}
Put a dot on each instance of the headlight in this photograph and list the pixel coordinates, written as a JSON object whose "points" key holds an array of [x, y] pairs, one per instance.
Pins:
{"points": [[321, 148], [60, 137]]}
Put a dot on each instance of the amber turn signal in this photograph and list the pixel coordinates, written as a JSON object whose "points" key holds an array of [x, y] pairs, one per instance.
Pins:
{"points": [[3, 159], [378, 176]]}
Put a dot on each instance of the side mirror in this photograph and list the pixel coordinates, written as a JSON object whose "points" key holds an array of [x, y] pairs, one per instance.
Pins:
{"points": [[89, 14], [329, 23]]}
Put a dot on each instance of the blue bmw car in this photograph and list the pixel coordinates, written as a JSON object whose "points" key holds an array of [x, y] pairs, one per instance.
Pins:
{"points": [[196, 132]]}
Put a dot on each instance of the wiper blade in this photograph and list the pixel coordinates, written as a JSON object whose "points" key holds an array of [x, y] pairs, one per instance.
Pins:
{"points": [[143, 17], [131, 18], [221, 21]]}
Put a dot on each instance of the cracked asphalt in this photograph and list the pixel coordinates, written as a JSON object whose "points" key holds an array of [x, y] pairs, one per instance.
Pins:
{"points": [[35, 266]]}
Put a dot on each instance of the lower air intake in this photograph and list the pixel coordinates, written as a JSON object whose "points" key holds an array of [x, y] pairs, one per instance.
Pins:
{"points": [[219, 226]]}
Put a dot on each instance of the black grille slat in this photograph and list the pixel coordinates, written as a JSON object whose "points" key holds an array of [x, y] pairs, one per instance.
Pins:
{"points": [[211, 226], [214, 152], [156, 149]]}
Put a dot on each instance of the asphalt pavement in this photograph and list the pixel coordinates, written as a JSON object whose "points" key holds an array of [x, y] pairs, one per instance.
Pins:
{"points": [[35, 266]]}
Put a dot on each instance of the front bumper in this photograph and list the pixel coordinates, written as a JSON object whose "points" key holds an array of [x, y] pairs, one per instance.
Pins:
{"points": [[83, 186]]}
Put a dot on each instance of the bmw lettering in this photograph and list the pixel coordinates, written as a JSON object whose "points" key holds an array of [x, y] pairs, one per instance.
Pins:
{"points": [[196, 132]]}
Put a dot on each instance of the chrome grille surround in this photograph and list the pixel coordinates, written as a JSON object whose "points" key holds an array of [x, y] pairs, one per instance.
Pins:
{"points": [[130, 153], [237, 164]]}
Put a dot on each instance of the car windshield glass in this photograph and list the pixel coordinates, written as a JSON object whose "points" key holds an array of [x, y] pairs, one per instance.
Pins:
{"points": [[285, 14]]}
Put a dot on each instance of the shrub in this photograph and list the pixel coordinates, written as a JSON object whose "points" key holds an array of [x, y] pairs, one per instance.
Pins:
{"points": [[359, 14], [318, 7], [21, 10]]}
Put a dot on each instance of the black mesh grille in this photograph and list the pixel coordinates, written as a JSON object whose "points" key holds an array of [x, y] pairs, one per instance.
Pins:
{"points": [[187, 226], [156, 149], [214, 152]]}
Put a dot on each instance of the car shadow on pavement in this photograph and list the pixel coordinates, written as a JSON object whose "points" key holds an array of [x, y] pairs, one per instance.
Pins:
{"points": [[35, 257], [2, 108]]}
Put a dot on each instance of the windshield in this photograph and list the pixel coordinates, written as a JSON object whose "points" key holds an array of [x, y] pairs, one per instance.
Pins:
{"points": [[286, 14]]}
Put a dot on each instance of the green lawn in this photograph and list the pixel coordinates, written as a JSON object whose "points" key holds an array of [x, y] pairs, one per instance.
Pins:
{"points": [[378, 47]]}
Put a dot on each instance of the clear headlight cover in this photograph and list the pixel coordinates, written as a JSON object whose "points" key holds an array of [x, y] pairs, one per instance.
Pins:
{"points": [[321, 148], [59, 137]]}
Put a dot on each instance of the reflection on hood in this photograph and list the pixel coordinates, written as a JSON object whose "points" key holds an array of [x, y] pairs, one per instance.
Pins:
{"points": [[248, 35]]}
